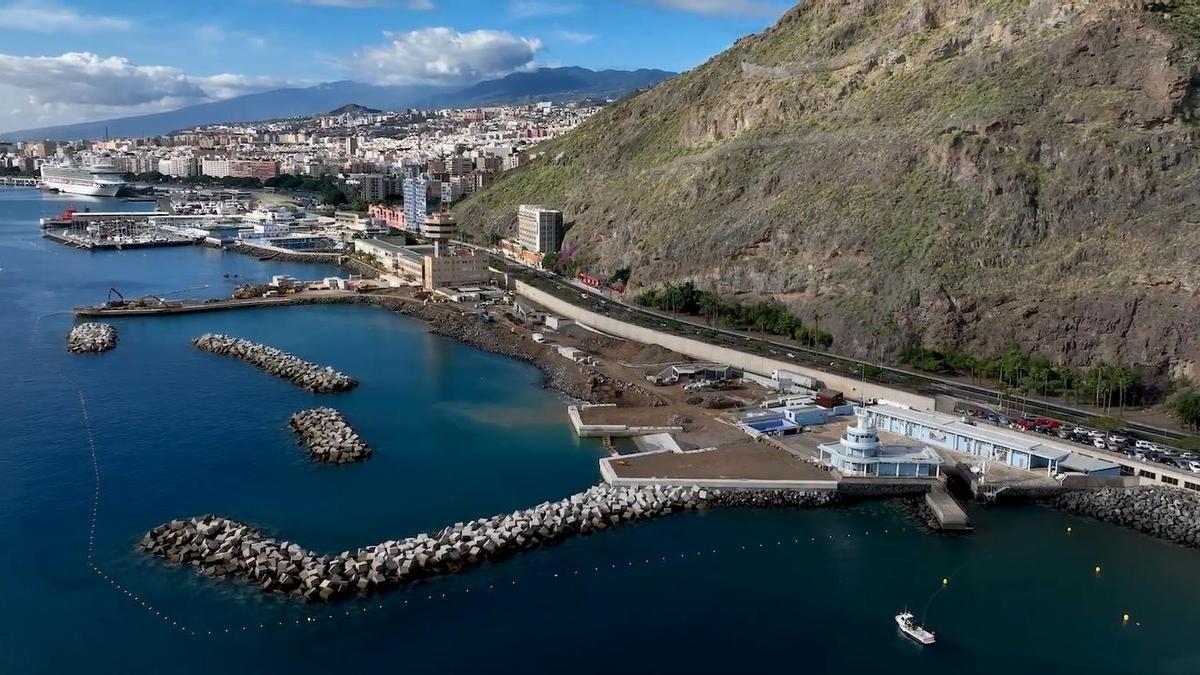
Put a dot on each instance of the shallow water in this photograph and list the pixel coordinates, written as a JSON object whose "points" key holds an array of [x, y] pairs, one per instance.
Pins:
{"points": [[459, 434]]}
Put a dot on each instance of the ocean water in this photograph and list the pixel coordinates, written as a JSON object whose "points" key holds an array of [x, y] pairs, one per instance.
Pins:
{"points": [[459, 434]]}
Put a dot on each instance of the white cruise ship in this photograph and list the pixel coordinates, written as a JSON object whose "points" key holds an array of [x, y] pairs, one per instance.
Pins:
{"points": [[97, 180]]}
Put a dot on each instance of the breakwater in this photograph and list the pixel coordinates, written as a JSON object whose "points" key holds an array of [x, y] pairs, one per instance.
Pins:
{"points": [[328, 437], [317, 379], [1163, 512], [222, 547], [91, 337]]}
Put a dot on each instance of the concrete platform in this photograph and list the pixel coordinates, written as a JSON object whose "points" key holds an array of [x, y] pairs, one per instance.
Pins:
{"points": [[950, 515], [747, 464], [594, 421]]}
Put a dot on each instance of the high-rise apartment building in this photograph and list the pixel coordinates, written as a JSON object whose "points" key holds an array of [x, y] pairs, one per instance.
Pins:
{"points": [[539, 228]]}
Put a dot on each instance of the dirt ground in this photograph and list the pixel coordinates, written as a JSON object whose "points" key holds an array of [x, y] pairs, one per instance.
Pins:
{"points": [[745, 460]]}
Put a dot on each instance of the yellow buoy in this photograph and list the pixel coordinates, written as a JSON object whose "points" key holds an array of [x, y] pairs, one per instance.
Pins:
{"points": [[1125, 618], [945, 581], [1097, 569]]}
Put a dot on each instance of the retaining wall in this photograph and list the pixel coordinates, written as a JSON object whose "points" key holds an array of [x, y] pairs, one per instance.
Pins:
{"points": [[702, 351]]}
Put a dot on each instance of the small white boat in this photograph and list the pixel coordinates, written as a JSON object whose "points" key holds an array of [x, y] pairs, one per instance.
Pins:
{"points": [[908, 626]]}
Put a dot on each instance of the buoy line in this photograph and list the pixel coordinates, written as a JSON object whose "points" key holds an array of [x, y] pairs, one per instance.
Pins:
{"points": [[90, 558], [336, 614]]}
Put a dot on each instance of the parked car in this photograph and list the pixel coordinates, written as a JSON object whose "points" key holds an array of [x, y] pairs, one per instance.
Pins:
{"points": [[1193, 466]]}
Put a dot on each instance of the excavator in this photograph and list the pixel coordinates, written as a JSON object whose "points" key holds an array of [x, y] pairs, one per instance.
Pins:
{"points": [[119, 302]]}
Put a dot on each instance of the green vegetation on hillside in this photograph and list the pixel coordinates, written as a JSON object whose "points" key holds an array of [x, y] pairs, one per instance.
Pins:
{"points": [[1186, 404], [766, 316], [1102, 385]]}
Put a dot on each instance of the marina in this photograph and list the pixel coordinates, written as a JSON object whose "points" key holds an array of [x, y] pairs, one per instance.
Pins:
{"points": [[511, 446]]}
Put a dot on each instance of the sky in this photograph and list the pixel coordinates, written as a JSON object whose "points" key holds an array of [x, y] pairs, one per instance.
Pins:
{"points": [[65, 61]]}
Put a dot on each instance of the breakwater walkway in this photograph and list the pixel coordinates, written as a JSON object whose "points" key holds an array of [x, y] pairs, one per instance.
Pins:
{"points": [[216, 305], [223, 547], [317, 379]]}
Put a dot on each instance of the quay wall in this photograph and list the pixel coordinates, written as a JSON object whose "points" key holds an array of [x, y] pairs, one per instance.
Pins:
{"points": [[702, 351]]}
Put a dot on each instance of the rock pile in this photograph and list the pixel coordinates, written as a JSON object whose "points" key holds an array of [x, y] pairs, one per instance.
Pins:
{"points": [[1165, 512], [280, 363], [328, 437], [223, 547], [92, 337]]}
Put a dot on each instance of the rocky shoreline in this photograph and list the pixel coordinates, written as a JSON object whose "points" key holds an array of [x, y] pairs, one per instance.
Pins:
{"points": [[1164, 512], [328, 437], [226, 548], [314, 378], [91, 337]]}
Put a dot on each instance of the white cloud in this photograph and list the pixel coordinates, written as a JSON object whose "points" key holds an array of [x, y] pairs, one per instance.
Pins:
{"points": [[89, 79], [50, 17], [444, 56], [735, 8], [415, 5], [526, 9], [575, 37]]}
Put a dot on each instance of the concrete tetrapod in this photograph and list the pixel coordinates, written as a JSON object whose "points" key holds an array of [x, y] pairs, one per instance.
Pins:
{"points": [[223, 547], [317, 379], [91, 337]]}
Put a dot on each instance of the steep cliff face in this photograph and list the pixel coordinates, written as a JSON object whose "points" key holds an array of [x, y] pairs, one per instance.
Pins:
{"points": [[949, 172]]}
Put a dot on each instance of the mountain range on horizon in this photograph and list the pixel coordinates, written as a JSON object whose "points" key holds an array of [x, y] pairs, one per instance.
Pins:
{"points": [[556, 84]]}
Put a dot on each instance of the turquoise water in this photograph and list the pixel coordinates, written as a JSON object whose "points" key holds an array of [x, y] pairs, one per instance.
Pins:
{"points": [[458, 434]]}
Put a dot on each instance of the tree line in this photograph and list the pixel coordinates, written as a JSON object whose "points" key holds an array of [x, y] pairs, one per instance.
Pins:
{"points": [[1103, 385], [764, 316]]}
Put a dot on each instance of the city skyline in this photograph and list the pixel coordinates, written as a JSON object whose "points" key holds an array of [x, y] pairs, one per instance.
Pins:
{"points": [[76, 60]]}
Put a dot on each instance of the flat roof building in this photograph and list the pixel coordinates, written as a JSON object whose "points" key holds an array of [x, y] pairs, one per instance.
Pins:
{"points": [[539, 228], [1013, 448]]}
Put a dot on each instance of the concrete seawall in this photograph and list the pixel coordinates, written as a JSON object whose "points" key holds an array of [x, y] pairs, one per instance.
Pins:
{"points": [[703, 351], [223, 547]]}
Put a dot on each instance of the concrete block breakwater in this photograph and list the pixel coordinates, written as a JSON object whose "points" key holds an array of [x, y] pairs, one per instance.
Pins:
{"points": [[223, 547], [91, 337], [328, 437], [1163, 512], [317, 379]]}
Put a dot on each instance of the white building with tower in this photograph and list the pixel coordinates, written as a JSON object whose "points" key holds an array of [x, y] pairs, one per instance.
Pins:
{"points": [[861, 453]]}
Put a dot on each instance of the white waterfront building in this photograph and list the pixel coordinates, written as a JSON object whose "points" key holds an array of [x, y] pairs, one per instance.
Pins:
{"points": [[860, 453]]}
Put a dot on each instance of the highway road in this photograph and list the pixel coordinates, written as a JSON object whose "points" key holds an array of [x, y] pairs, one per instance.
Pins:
{"points": [[826, 361]]}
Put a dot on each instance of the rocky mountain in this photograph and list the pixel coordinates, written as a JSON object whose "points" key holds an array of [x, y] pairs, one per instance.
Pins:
{"points": [[354, 108], [974, 173], [555, 84], [558, 84]]}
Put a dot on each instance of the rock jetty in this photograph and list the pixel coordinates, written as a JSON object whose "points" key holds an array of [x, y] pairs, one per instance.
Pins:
{"points": [[1164, 512], [328, 437], [223, 547], [91, 337], [317, 379]]}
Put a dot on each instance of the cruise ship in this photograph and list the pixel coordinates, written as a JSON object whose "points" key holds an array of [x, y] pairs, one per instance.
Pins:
{"points": [[96, 180]]}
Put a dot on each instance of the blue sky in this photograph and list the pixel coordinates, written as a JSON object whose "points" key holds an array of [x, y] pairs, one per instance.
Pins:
{"points": [[69, 60]]}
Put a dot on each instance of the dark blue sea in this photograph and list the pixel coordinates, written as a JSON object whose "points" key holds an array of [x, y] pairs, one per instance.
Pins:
{"points": [[459, 434]]}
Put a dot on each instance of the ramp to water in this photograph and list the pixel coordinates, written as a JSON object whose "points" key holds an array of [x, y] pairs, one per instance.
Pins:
{"points": [[949, 513]]}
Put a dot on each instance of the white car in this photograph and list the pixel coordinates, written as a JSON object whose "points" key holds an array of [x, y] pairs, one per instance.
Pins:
{"points": [[1098, 442], [1143, 445], [1194, 466]]}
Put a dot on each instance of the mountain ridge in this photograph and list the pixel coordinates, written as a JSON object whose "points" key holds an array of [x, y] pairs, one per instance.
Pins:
{"points": [[943, 172], [318, 99]]}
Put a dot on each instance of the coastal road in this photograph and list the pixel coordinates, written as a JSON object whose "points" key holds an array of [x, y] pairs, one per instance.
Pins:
{"points": [[825, 361]]}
